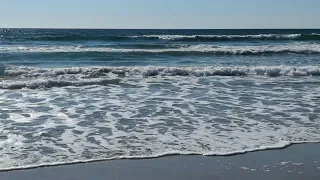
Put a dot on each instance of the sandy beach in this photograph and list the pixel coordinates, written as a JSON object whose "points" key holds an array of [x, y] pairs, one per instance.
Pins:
{"points": [[295, 162]]}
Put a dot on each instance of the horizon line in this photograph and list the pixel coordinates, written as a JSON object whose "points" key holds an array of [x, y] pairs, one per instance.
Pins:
{"points": [[68, 28]]}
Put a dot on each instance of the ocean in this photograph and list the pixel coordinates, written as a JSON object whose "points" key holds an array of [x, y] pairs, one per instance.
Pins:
{"points": [[70, 96]]}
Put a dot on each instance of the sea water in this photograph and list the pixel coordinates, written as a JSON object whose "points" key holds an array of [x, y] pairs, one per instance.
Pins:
{"points": [[83, 95]]}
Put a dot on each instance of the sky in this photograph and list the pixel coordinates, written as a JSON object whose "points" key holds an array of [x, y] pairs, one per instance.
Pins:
{"points": [[154, 14]]}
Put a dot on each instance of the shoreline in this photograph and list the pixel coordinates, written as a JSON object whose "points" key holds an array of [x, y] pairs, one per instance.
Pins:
{"points": [[163, 155], [298, 161]]}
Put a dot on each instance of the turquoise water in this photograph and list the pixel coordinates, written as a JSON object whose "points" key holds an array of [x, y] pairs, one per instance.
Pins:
{"points": [[82, 95], [61, 48]]}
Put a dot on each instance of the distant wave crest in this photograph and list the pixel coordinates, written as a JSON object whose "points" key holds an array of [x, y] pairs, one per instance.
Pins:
{"points": [[278, 37]]}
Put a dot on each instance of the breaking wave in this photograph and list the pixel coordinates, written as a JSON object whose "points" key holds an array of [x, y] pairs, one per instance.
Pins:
{"points": [[296, 48], [36, 84], [277, 37], [148, 71]]}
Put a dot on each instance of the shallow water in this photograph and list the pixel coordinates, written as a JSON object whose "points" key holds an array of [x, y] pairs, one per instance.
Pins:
{"points": [[79, 95]]}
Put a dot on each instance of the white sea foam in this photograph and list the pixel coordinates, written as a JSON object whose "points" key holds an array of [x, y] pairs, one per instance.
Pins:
{"points": [[146, 71], [52, 116], [224, 37], [152, 117], [169, 153], [300, 48], [49, 83]]}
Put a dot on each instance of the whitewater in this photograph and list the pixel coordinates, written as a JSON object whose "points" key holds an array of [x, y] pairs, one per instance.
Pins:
{"points": [[71, 96]]}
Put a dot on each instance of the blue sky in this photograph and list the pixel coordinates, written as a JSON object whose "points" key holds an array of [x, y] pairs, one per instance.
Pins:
{"points": [[160, 13]]}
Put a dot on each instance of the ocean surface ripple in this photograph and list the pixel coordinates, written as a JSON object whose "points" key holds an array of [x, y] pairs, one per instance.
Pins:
{"points": [[69, 96]]}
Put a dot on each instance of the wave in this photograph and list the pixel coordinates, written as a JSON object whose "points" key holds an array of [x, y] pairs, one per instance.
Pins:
{"points": [[135, 45], [296, 48], [37, 84], [233, 37], [261, 37], [149, 71], [280, 145]]}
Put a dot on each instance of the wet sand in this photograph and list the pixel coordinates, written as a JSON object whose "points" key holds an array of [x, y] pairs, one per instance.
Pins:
{"points": [[295, 162]]}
